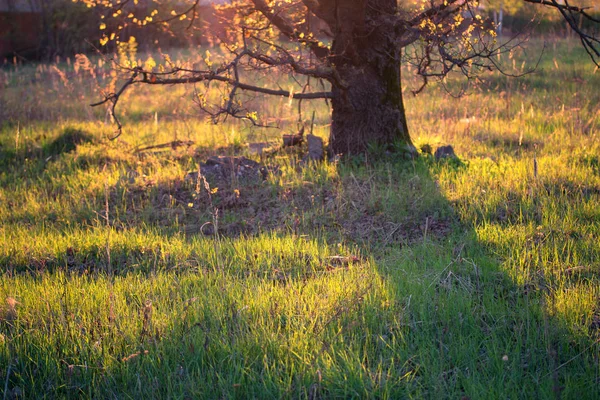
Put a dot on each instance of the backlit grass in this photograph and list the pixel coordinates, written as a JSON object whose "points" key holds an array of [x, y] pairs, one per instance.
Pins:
{"points": [[471, 279]]}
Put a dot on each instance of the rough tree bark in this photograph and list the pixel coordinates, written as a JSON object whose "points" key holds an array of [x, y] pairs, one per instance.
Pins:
{"points": [[368, 108]]}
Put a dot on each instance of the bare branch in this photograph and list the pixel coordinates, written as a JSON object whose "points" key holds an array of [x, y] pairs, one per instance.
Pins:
{"points": [[227, 74], [566, 7], [321, 11], [287, 29], [210, 76], [114, 98], [591, 43]]}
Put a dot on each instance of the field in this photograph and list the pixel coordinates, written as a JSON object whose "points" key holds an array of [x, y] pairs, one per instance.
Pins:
{"points": [[374, 277]]}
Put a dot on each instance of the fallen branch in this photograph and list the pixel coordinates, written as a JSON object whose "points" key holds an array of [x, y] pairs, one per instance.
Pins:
{"points": [[174, 144]]}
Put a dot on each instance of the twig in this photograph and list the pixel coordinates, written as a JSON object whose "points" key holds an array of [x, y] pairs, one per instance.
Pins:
{"points": [[173, 144], [437, 276], [573, 358], [114, 98]]}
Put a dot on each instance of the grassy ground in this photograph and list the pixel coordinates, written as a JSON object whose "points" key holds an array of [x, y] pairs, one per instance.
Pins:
{"points": [[475, 279]]}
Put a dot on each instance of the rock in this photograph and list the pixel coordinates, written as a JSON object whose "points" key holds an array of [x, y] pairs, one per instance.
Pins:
{"points": [[315, 147], [445, 152]]}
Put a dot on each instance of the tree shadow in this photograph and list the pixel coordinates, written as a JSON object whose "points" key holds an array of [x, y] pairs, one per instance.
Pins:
{"points": [[36, 155], [417, 305], [66, 142]]}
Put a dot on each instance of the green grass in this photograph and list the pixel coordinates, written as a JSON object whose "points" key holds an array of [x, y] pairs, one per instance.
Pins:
{"points": [[476, 280]]}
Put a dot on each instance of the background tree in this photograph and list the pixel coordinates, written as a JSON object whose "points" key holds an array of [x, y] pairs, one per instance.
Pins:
{"points": [[349, 53], [499, 7]]}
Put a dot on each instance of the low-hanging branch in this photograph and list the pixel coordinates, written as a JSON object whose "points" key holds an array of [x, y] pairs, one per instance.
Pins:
{"points": [[151, 80], [223, 75]]}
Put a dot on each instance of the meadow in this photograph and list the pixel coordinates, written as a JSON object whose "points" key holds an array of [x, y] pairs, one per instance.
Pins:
{"points": [[374, 277]]}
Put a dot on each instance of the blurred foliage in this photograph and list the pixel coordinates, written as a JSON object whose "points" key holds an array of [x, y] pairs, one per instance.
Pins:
{"points": [[69, 28], [66, 27]]}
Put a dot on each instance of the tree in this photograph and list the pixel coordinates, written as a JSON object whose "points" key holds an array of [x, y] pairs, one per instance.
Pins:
{"points": [[498, 7], [354, 48]]}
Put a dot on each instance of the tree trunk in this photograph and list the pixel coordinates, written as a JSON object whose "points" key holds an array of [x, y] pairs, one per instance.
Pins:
{"points": [[367, 108], [369, 112], [500, 21]]}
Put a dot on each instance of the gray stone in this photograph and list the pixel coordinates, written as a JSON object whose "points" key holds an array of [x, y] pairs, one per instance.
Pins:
{"points": [[315, 147], [445, 152]]}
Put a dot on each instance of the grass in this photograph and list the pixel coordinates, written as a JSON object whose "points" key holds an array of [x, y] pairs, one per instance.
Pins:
{"points": [[472, 280]]}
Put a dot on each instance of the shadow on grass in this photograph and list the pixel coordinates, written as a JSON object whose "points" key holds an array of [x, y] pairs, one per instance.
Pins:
{"points": [[66, 142], [417, 306], [21, 163]]}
